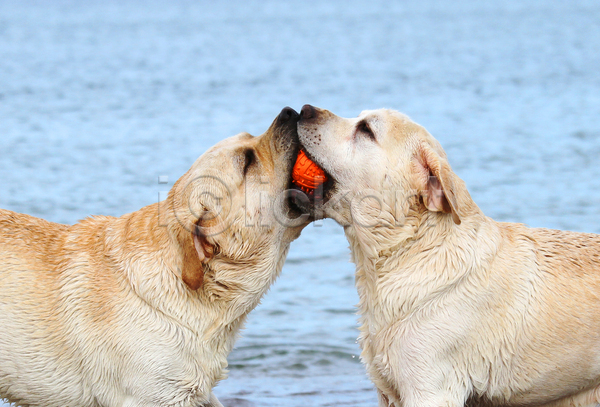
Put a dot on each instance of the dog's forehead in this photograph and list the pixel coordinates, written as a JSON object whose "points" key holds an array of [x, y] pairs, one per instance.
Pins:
{"points": [[371, 114], [385, 121], [218, 156], [239, 140], [384, 115]]}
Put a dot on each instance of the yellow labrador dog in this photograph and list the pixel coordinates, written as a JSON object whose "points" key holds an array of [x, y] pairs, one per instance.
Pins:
{"points": [[455, 308], [142, 310]]}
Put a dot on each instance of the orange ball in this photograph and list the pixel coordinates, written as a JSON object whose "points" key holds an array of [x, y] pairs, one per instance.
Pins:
{"points": [[306, 174]]}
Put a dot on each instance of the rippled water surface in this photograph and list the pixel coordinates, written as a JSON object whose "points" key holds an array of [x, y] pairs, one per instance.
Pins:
{"points": [[100, 98]]}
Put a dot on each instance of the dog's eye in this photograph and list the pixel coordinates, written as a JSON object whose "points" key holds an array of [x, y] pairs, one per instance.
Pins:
{"points": [[250, 158], [363, 128]]}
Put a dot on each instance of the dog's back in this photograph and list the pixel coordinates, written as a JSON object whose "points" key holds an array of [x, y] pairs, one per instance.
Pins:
{"points": [[19, 233], [67, 309], [30, 258]]}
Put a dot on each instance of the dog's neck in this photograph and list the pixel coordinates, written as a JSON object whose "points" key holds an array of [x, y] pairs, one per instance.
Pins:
{"points": [[151, 263], [154, 275], [387, 236], [426, 253], [397, 232]]}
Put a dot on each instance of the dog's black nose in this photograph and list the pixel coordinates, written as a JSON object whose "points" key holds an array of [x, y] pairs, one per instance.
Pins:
{"points": [[308, 112], [287, 114]]}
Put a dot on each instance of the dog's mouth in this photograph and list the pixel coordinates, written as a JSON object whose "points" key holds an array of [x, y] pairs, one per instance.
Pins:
{"points": [[310, 185]]}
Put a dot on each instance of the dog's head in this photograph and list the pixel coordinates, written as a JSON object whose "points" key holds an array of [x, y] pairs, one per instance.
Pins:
{"points": [[383, 166], [230, 212]]}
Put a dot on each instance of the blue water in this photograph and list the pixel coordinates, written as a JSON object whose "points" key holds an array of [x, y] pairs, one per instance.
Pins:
{"points": [[100, 98]]}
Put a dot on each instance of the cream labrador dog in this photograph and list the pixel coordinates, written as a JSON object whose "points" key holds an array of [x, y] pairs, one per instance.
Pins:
{"points": [[142, 310], [455, 308]]}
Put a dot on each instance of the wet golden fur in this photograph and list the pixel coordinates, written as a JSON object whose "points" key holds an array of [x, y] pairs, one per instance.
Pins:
{"points": [[142, 310], [455, 307]]}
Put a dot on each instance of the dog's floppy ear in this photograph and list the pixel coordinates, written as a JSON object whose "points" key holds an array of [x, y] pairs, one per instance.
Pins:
{"points": [[197, 253], [435, 182]]}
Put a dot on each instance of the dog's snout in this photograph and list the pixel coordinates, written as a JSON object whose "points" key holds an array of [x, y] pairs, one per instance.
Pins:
{"points": [[288, 114], [283, 133], [308, 112]]}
